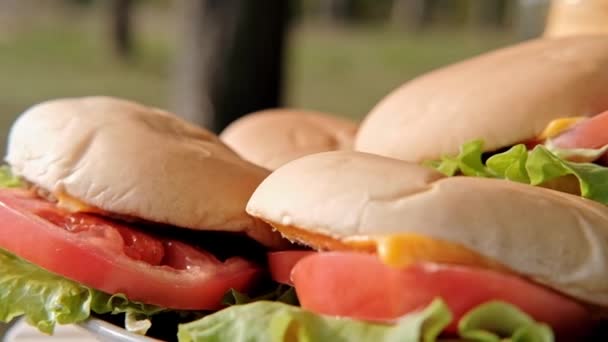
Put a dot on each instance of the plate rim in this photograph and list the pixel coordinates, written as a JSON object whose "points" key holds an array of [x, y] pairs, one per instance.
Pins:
{"points": [[107, 331]]}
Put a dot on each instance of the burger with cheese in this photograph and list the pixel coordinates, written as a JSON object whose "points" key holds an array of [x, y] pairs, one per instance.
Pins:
{"points": [[528, 110], [108, 206], [406, 253]]}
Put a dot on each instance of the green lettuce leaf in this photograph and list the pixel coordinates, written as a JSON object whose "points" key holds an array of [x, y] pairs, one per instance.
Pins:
{"points": [[46, 299], [494, 321], [511, 164], [137, 323], [468, 161], [282, 293], [531, 167], [277, 322], [593, 179], [7, 179]]}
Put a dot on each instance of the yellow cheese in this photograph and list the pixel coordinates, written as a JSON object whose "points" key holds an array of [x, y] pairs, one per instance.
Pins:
{"points": [[69, 203], [557, 126], [405, 249], [397, 250]]}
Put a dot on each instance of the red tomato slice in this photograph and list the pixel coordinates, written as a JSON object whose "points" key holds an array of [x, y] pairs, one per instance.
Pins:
{"points": [[280, 264], [360, 286], [590, 133], [116, 258]]}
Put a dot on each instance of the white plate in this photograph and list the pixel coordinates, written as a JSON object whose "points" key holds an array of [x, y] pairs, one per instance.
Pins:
{"points": [[105, 331], [20, 331], [92, 330]]}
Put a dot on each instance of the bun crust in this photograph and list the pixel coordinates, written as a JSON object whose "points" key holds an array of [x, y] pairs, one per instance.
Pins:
{"points": [[503, 97], [136, 161], [271, 138], [567, 18], [557, 239]]}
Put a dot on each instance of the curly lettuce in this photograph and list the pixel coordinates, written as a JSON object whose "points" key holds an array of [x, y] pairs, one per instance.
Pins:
{"points": [[46, 299], [533, 167], [7, 179], [278, 322]]}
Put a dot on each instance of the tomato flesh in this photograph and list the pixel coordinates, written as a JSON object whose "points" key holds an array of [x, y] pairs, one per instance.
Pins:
{"points": [[360, 286], [136, 245], [280, 264], [115, 257]]}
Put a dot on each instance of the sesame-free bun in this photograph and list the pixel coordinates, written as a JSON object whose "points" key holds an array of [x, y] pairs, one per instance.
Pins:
{"points": [[503, 97], [554, 238], [567, 17], [270, 138], [136, 161]]}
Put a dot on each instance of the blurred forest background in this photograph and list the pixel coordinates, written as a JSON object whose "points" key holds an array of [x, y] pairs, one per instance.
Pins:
{"points": [[213, 60]]}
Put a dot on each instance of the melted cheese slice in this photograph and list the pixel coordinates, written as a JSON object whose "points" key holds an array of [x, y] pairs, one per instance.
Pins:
{"points": [[396, 250], [557, 126], [401, 250], [69, 203]]}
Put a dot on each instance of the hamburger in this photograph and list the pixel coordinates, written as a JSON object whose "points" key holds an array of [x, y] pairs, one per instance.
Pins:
{"points": [[535, 112], [271, 138], [108, 206], [526, 93], [403, 252]]}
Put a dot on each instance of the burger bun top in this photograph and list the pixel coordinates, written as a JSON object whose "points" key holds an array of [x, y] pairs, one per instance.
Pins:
{"points": [[503, 97], [557, 239], [136, 161], [270, 138]]}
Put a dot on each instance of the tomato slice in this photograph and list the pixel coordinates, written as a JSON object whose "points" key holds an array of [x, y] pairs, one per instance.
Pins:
{"points": [[116, 258], [590, 133], [360, 286], [280, 264]]}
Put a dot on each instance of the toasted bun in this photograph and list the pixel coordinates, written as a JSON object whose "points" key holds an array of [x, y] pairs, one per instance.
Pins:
{"points": [[503, 97], [557, 239], [273, 137], [567, 17], [137, 161]]}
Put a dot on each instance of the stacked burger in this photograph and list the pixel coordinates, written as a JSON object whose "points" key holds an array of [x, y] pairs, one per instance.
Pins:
{"points": [[472, 207]]}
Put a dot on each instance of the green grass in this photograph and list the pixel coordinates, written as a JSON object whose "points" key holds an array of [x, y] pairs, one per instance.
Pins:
{"points": [[343, 70], [52, 62], [347, 71]]}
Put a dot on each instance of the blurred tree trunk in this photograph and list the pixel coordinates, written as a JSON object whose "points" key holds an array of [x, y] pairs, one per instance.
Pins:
{"points": [[412, 14], [530, 18], [487, 13], [230, 59], [336, 11], [121, 27]]}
